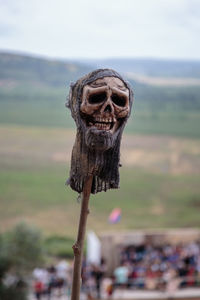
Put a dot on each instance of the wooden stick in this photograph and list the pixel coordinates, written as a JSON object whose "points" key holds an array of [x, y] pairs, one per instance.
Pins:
{"points": [[78, 247]]}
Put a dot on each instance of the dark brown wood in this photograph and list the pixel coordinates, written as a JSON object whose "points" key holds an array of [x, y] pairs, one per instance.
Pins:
{"points": [[78, 246]]}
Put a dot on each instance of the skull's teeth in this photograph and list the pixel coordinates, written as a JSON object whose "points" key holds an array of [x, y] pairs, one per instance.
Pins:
{"points": [[103, 126], [105, 120], [102, 123]]}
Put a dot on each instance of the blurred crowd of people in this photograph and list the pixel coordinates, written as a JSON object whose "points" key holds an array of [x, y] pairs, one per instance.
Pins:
{"points": [[159, 267], [166, 267], [47, 281], [56, 281]]}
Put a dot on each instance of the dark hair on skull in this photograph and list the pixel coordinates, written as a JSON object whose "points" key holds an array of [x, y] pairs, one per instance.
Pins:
{"points": [[100, 103]]}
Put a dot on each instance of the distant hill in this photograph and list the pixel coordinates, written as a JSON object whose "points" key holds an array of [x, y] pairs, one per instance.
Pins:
{"points": [[16, 69], [151, 67], [22, 68]]}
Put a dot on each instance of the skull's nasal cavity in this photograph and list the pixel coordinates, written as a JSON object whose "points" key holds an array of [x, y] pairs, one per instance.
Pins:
{"points": [[108, 108]]}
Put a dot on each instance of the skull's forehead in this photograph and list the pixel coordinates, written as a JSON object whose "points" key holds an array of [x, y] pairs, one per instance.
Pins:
{"points": [[107, 82]]}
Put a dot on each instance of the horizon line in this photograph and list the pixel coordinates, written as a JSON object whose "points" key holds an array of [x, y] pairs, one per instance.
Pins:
{"points": [[50, 57]]}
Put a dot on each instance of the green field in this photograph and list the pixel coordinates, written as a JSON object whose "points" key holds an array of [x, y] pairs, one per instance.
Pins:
{"points": [[34, 165], [54, 114]]}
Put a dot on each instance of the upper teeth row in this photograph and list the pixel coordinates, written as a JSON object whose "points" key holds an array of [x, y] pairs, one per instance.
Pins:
{"points": [[106, 120]]}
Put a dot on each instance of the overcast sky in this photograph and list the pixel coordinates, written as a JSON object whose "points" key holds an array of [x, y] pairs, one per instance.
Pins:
{"points": [[104, 28]]}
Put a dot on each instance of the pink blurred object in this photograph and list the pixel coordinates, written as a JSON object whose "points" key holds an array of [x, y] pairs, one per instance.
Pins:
{"points": [[115, 216]]}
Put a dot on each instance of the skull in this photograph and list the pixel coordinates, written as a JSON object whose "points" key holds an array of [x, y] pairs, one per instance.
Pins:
{"points": [[105, 104], [100, 103]]}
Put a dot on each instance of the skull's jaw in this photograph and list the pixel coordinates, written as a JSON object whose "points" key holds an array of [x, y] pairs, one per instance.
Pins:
{"points": [[100, 140], [100, 131], [102, 123]]}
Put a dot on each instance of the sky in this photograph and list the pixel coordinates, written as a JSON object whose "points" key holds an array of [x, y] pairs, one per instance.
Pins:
{"points": [[101, 29]]}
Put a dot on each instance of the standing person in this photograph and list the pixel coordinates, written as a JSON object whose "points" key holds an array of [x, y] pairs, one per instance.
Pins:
{"points": [[107, 288], [40, 282], [98, 273], [52, 284], [38, 289], [62, 269], [121, 274]]}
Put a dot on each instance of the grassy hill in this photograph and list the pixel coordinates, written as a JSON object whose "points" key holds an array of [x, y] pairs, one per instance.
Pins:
{"points": [[35, 70]]}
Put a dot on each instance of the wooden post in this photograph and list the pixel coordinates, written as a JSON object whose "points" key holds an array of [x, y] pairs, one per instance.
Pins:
{"points": [[100, 123], [78, 246]]}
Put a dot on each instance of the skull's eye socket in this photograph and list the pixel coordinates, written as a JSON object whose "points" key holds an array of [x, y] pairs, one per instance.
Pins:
{"points": [[97, 98], [119, 100]]}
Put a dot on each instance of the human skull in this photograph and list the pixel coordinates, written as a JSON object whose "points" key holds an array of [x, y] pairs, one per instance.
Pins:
{"points": [[105, 103]]}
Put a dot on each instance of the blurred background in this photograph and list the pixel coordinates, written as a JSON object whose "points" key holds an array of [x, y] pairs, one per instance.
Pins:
{"points": [[45, 45]]}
